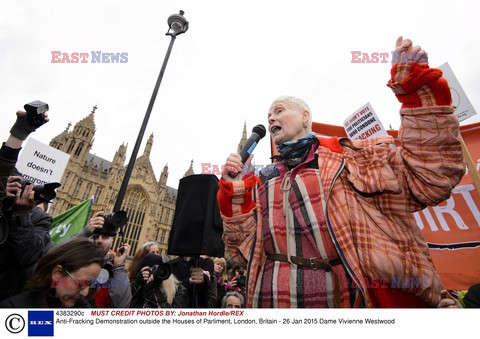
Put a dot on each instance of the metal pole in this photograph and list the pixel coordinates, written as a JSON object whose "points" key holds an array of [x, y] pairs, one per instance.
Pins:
{"points": [[133, 157]]}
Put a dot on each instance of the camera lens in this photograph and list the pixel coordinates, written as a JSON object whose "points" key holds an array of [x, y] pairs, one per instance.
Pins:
{"points": [[241, 280], [161, 272], [116, 220]]}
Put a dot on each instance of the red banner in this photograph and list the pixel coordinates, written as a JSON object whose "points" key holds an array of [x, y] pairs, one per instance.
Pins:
{"points": [[452, 229]]}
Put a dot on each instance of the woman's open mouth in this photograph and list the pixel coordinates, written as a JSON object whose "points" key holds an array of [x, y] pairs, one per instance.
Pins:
{"points": [[275, 129]]}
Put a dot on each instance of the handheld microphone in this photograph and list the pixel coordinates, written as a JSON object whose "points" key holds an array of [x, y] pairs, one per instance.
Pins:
{"points": [[258, 132]]}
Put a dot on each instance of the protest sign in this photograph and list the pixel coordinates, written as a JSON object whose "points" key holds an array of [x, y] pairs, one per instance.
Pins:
{"points": [[463, 106], [40, 163], [364, 124]]}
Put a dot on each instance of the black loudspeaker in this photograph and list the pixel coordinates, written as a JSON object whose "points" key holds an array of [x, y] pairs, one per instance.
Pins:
{"points": [[197, 226]]}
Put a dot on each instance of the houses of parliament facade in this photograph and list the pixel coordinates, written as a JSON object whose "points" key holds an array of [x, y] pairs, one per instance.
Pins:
{"points": [[149, 203]]}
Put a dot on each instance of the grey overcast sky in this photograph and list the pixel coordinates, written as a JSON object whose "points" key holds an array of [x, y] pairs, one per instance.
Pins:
{"points": [[234, 60]]}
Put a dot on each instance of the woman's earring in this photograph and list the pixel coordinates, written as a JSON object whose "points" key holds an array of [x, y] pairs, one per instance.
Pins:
{"points": [[304, 125]]}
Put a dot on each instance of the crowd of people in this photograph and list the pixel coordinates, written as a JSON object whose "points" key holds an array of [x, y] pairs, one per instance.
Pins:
{"points": [[84, 270], [318, 221]]}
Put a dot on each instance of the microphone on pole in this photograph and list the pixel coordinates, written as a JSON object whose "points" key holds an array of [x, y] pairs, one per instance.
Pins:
{"points": [[258, 132]]}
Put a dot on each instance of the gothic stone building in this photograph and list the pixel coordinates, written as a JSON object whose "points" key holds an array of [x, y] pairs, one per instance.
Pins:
{"points": [[150, 204]]}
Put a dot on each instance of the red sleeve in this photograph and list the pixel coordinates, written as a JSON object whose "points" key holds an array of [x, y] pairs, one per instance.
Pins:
{"points": [[417, 85], [236, 193]]}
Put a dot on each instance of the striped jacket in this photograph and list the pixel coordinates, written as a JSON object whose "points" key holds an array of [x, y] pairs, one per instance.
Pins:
{"points": [[372, 191]]}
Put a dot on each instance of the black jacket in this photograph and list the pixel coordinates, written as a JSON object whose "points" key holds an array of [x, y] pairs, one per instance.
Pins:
{"points": [[203, 295], [152, 295], [26, 243], [8, 159]]}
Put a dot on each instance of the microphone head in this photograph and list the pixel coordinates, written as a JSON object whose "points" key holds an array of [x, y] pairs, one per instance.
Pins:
{"points": [[260, 130]]}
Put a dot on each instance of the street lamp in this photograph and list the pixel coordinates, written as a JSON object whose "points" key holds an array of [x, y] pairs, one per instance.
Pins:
{"points": [[177, 24]]}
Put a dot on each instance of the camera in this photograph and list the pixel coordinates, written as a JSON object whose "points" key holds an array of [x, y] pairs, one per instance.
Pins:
{"points": [[35, 112], [113, 222], [43, 193], [115, 219], [161, 272], [241, 279]]}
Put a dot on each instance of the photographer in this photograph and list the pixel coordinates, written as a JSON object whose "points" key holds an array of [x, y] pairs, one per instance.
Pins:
{"points": [[21, 225], [148, 247], [117, 292], [155, 286], [28, 237], [238, 279], [9, 155]]}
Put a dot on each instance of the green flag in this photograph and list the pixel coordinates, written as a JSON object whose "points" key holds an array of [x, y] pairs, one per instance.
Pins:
{"points": [[70, 222]]}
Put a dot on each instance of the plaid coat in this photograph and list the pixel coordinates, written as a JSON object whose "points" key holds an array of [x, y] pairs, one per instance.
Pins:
{"points": [[372, 191]]}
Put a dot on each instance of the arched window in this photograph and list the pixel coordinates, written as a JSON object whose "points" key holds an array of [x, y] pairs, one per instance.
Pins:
{"points": [[162, 237], [86, 194], [161, 214], [79, 149], [167, 217], [70, 148], [77, 188], [136, 206], [98, 192], [65, 180]]}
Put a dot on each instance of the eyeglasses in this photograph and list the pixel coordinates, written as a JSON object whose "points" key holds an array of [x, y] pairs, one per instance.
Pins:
{"points": [[81, 284]]}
